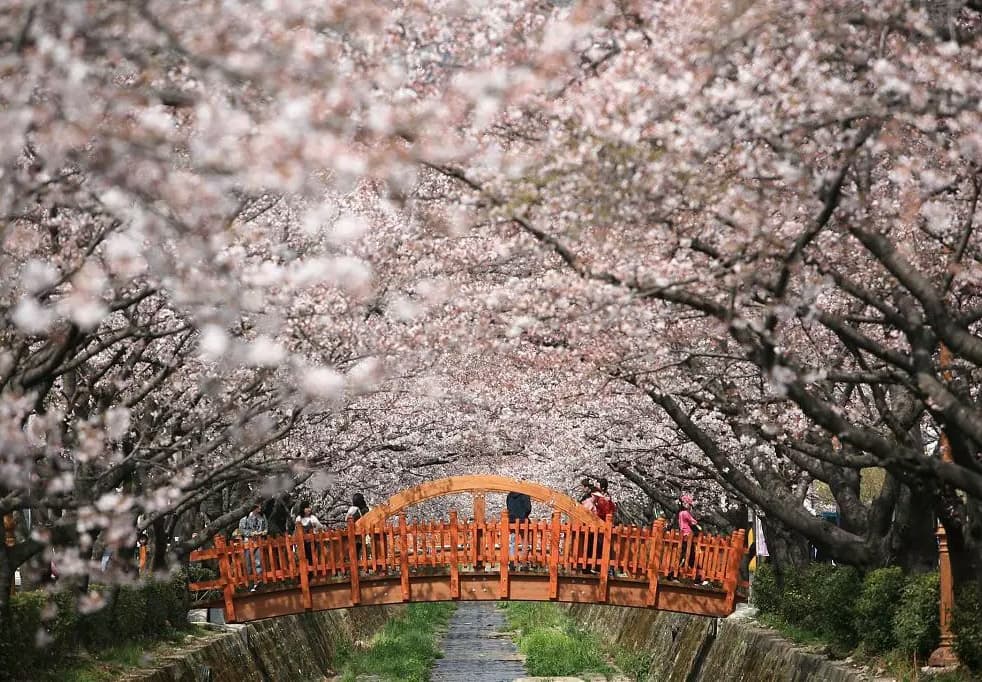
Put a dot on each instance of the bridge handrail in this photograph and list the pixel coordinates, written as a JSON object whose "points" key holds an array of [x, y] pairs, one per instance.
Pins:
{"points": [[304, 557]]}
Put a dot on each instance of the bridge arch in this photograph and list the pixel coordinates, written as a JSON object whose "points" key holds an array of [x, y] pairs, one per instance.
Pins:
{"points": [[476, 484]]}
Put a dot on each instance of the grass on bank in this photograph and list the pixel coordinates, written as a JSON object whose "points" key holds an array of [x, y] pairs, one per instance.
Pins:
{"points": [[114, 661], [894, 664], [405, 648], [553, 644]]}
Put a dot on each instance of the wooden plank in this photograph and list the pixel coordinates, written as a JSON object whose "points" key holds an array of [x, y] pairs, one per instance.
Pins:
{"points": [[206, 585], [737, 549], [503, 555], [555, 530], [403, 558], [654, 561], [606, 549], [454, 565], [353, 564], [225, 570], [300, 540]]}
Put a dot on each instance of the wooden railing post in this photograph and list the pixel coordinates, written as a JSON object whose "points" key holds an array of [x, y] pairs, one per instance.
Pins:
{"points": [[480, 525], [300, 541], [503, 555], [403, 558], [654, 560], [605, 550], [225, 570], [555, 530], [733, 568], [353, 563], [454, 560]]}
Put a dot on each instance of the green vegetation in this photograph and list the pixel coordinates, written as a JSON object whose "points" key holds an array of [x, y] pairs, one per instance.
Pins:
{"points": [[48, 630], [405, 648], [967, 626], [883, 618], [114, 661], [553, 644]]}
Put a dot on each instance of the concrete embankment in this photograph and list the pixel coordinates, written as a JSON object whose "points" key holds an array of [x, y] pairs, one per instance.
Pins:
{"points": [[681, 648], [297, 648]]}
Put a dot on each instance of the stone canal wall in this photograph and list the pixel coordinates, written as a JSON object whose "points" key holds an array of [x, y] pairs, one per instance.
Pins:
{"points": [[681, 648], [297, 648]]}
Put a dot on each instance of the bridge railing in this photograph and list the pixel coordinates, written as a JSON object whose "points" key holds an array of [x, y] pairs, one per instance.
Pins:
{"points": [[404, 549]]}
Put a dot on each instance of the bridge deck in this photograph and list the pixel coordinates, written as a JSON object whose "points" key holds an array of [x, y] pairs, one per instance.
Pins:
{"points": [[443, 561]]}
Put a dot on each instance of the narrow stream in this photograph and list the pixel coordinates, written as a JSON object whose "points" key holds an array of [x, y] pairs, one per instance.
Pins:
{"points": [[476, 650]]}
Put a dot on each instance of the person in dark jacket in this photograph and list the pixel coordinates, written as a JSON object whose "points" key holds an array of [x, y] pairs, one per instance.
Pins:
{"points": [[519, 507]]}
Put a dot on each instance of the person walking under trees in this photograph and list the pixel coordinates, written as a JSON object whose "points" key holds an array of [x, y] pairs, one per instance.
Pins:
{"points": [[603, 501], [254, 526], [589, 495], [357, 510], [308, 522], [605, 507], [519, 507], [689, 526]]}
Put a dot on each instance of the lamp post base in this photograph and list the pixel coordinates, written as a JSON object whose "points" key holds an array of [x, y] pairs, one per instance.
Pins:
{"points": [[943, 657]]}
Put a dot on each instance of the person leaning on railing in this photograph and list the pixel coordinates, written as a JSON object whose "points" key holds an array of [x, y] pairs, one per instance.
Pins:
{"points": [[254, 526], [519, 507], [309, 522]]}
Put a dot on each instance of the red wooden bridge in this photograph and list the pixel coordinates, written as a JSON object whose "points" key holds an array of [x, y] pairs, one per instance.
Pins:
{"points": [[386, 560]]}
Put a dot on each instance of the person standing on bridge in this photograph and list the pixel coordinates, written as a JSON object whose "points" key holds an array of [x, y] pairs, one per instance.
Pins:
{"points": [[605, 507], [519, 507], [309, 522], [689, 526], [589, 495], [357, 510], [253, 526]]}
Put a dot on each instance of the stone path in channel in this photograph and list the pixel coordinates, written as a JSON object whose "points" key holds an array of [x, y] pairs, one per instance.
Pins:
{"points": [[476, 650]]}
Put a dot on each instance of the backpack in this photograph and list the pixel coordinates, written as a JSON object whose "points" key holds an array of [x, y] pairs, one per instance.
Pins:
{"points": [[604, 505]]}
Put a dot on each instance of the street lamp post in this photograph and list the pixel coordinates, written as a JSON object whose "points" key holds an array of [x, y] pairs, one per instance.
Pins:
{"points": [[944, 655]]}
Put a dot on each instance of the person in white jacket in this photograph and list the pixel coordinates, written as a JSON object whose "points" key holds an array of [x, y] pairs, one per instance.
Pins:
{"points": [[309, 522]]}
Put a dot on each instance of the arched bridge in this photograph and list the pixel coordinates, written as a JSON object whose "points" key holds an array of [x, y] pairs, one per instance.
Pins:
{"points": [[385, 560]]}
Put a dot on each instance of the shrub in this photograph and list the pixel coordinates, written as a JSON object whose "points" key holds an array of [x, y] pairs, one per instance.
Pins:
{"points": [[876, 607], [915, 624], [966, 624], [177, 601], [765, 592], [96, 624], [129, 606], [60, 618], [831, 593], [155, 614], [795, 603], [20, 635]]}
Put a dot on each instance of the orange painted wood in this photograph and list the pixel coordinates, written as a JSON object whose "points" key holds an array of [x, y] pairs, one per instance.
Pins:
{"points": [[503, 555], [438, 548], [454, 559], [654, 561], [300, 540], [672, 597], [737, 549], [555, 530], [608, 538], [225, 570], [403, 558], [475, 484], [353, 565]]}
